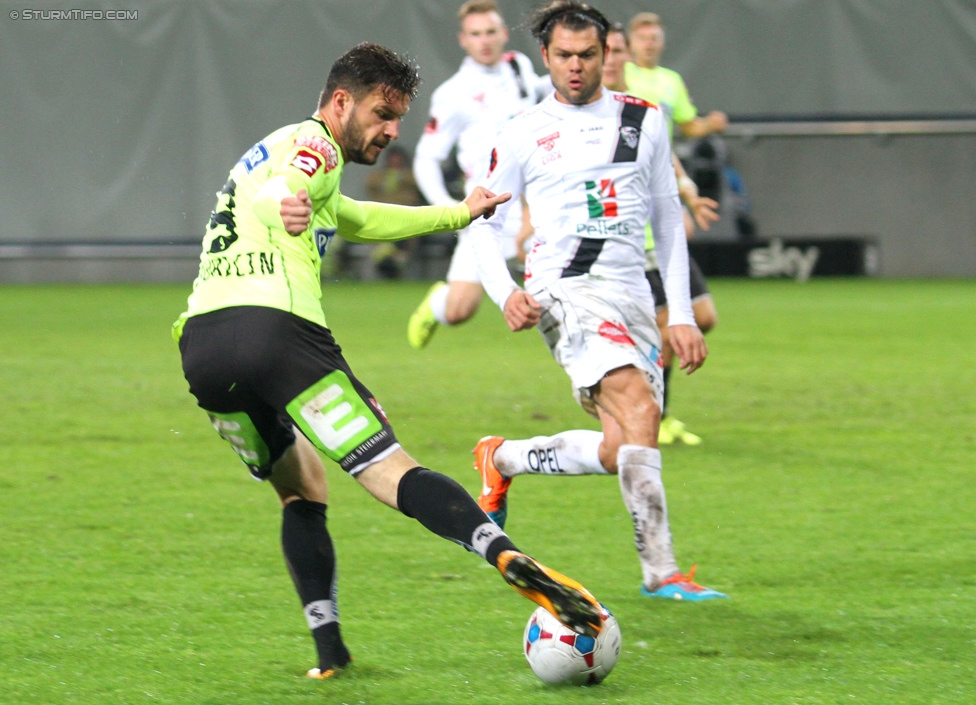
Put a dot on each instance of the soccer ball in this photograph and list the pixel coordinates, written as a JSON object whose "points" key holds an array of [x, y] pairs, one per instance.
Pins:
{"points": [[557, 654]]}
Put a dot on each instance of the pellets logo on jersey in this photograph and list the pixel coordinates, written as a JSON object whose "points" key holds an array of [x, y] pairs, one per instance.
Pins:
{"points": [[323, 147], [306, 161], [494, 162], [617, 332], [599, 198], [548, 142]]}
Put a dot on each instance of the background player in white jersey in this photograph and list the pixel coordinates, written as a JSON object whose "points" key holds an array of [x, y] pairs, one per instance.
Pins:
{"points": [[701, 211], [466, 111], [594, 165]]}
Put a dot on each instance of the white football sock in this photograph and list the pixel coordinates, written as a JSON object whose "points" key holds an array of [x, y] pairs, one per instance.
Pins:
{"points": [[566, 453], [639, 472], [438, 304]]}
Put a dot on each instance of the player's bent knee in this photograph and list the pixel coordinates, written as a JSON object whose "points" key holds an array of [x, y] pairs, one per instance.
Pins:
{"points": [[706, 322], [462, 309], [463, 302], [705, 314], [647, 414], [608, 456], [460, 314]]}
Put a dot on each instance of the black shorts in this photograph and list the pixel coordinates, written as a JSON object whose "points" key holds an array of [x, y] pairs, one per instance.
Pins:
{"points": [[260, 372], [697, 285]]}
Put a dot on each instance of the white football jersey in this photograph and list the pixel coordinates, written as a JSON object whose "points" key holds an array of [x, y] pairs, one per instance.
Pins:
{"points": [[592, 175], [468, 109]]}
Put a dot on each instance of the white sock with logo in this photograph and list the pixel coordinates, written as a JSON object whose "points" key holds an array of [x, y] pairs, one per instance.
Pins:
{"points": [[567, 453], [639, 472], [438, 304]]}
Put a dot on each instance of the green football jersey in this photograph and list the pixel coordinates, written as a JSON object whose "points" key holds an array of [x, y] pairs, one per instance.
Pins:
{"points": [[664, 88], [249, 259], [248, 262]]}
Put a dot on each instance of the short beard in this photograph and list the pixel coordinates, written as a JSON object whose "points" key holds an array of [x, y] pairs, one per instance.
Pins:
{"points": [[584, 97], [354, 149]]}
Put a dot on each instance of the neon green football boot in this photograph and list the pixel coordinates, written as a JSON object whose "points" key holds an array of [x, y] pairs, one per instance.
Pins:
{"points": [[673, 431], [422, 322]]}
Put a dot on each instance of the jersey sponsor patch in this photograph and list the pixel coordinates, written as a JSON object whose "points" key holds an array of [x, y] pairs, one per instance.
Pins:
{"points": [[548, 142], [323, 236], [617, 332], [633, 100], [254, 156], [323, 147], [601, 198], [493, 162], [337, 419], [431, 126], [306, 161]]}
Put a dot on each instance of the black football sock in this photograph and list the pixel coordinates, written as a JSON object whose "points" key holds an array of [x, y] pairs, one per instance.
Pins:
{"points": [[446, 509], [667, 386], [310, 558]]}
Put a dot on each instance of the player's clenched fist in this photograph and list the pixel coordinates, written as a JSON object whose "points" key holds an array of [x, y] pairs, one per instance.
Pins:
{"points": [[521, 310], [296, 212]]}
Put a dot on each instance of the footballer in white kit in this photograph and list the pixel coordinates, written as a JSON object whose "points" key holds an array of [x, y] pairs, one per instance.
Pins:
{"points": [[467, 110], [593, 175], [594, 165]]}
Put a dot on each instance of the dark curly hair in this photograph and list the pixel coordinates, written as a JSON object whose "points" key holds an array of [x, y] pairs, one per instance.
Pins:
{"points": [[367, 66], [571, 14]]}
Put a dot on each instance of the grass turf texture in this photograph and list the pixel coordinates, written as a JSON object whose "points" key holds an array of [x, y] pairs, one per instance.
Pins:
{"points": [[833, 499]]}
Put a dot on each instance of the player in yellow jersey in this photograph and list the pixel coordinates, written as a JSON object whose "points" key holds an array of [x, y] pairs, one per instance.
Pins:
{"points": [[646, 77], [261, 362]]}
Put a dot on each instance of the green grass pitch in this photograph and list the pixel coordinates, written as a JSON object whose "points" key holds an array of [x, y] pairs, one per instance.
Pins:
{"points": [[834, 499]]}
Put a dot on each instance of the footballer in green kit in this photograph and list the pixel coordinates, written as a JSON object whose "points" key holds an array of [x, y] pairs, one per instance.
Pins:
{"points": [[261, 362]]}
